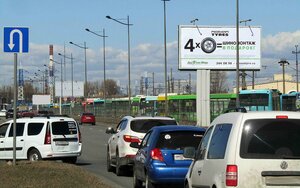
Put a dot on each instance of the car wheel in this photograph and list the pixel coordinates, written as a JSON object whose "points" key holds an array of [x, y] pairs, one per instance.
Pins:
{"points": [[108, 162], [208, 45], [93, 123], [80, 123], [119, 171], [71, 160], [148, 183], [34, 155], [136, 182]]}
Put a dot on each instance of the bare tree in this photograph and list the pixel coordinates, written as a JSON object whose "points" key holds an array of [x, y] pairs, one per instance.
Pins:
{"points": [[218, 82], [111, 88]]}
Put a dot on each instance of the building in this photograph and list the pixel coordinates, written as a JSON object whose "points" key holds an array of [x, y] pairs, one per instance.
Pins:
{"points": [[276, 83]]}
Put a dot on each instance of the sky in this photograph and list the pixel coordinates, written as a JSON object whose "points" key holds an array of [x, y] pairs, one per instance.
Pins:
{"points": [[59, 22]]}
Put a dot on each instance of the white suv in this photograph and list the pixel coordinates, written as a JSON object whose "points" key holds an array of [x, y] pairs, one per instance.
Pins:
{"points": [[130, 129], [255, 149], [41, 138]]}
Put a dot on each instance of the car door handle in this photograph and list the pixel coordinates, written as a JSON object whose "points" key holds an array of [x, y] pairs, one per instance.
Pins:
{"points": [[21, 140], [1, 142], [199, 172]]}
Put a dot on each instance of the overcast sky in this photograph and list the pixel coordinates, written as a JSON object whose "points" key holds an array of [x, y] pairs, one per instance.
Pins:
{"points": [[58, 22]]}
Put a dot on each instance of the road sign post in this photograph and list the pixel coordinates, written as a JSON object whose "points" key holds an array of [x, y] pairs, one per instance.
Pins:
{"points": [[16, 40]]}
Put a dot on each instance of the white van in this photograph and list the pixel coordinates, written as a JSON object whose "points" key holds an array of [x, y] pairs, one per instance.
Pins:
{"points": [[41, 138], [247, 150]]}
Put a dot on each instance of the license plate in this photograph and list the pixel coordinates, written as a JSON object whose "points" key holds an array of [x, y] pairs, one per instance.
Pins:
{"points": [[61, 143], [88, 118], [180, 157]]}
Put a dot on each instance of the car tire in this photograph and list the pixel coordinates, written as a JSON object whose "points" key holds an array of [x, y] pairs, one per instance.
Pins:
{"points": [[119, 170], [109, 168], [148, 183], [71, 160], [93, 123], [80, 123], [136, 182], [208, 45], [34, 155]]}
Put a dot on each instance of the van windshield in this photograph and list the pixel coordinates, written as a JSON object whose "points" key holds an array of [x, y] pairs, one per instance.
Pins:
{"points": [[271, 139], [64, 128]]}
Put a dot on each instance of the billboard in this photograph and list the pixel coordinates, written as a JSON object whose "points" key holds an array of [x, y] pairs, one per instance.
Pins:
{"points": [[40, 99], [78, 89], [215, 48]]}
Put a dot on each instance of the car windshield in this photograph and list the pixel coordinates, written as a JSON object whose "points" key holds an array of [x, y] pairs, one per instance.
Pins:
{"points": [[87, 114], [64, 128], [177, 140], [143, 125], [271, 139]]}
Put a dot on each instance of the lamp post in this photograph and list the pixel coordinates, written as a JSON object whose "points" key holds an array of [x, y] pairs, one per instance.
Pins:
{"points": [[237, 57], [61, 84], [165, 50], [85, 66], [71, 58], [297, 74], [282, 63], [128, 24], [104, 75]]}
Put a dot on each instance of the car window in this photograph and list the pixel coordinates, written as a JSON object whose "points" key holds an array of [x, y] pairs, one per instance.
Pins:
{"points": [[218, 143], [64, 128], [3, 129], [122, 125], [203, 145], [270, 139], [34, 128], [87, 114], [144, 125], [178, 140], [19, 129], [145, 142]]}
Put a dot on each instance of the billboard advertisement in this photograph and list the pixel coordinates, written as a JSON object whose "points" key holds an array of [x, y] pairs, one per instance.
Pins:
{"points": [[215, 48], [40, 99], [78, 89]]}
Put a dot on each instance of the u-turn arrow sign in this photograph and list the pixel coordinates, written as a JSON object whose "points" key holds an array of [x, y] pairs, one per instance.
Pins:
{"points": [[16, 39]]}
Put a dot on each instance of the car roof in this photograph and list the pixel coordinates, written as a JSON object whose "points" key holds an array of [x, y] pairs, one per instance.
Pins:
{"points": [[36, 119], [148, 117], [177, 128]]}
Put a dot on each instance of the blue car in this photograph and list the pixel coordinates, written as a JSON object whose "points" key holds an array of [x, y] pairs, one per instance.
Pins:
{"points": [[160, 160]]}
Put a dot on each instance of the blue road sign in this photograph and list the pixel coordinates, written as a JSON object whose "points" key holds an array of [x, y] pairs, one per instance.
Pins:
{"points": [[16, 39]]}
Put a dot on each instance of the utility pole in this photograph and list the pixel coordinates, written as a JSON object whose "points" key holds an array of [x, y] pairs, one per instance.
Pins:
{"points": [[190, 83], [297, 74], [153, 83], [282, 63]]}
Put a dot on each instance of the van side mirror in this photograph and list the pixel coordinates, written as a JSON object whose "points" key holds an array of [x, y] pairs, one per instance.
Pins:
{"points": [[189, 152], [110, 130]]}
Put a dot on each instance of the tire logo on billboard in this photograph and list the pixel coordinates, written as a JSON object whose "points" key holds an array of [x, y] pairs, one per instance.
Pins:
{"points": [[208, 45]]}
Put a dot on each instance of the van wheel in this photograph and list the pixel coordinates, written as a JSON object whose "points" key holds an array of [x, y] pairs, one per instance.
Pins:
{"points": [[71, 160], [34, 155]]}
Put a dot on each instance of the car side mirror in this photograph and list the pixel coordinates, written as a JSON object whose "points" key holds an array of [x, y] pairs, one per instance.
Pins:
{"points": [[134, 145], [189, 152], [110, 130]]}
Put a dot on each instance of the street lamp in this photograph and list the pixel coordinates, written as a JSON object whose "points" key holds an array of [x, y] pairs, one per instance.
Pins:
{"points": [[165, 47], [71, 58], [297, 75], [237, 57], [85, 71], [104, 76], [61, 84], [128, 36], [282, 63]]}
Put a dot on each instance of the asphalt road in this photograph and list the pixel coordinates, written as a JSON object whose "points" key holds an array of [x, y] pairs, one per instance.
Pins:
{"points": [[93, 156]]}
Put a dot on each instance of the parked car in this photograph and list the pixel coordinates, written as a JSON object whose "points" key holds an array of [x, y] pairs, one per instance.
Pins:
{"points": [[41, 138], [87, 117], [160, 160], [10, 113], [27, 113], [3, 113], [130, 129], [248, 149]]}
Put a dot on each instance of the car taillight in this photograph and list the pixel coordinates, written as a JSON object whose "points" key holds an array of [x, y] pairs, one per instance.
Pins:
{"points": [[47, 135], [157, 155], [128, 138], [231, 175], [282, 117], [79, 136]]}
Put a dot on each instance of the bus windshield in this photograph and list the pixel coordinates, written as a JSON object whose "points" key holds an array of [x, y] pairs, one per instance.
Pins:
{"points": [[254, 100]]}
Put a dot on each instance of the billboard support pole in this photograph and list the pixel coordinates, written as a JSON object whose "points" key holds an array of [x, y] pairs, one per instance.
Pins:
{"points": [[203, 101]]}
